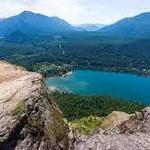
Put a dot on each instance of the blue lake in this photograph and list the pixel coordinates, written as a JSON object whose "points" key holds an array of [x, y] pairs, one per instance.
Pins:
{"points": [[119, 85]]}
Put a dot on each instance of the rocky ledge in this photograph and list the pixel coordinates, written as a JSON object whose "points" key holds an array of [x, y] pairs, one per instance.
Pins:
{"points": [[29, 119], [120, 132]]}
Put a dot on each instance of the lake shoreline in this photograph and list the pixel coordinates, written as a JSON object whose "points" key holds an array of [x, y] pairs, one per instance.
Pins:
{"points": [[63, 72], [98, 70], [114, 70], [97, 83]]}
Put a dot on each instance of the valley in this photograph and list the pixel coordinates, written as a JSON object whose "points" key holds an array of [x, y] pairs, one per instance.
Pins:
{"points": [[64, 48], [72, 86], [64, 45], [80, 50]]}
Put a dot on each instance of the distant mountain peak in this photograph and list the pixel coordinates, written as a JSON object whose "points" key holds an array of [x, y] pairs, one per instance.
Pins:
{"points": [[90, 27], [30, 22], [137, 26], [144, 13], [27, 13], [37, 14]]}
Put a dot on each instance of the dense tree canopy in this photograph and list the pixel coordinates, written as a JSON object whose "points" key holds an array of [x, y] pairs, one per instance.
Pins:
{"points": [[76, 106], [86, 50]]}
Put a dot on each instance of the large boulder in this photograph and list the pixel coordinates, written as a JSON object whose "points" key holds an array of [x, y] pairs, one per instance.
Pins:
{"points": [[114, 119], [29, 119]]}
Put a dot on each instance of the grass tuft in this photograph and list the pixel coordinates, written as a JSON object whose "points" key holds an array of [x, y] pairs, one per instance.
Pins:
{"points": [[19, 110], [87, 125]]}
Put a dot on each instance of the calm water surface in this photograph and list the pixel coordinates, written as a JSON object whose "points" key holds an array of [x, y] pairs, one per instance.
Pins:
{"points": [[119, 85]]}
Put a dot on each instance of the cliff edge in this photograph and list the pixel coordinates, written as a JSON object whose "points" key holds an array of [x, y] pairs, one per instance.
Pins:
{"points": [[29, 119], [120, 132]]}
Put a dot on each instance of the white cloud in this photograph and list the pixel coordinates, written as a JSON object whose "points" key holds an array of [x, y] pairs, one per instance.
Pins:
{"points": [[78, 11], [7, 8]]}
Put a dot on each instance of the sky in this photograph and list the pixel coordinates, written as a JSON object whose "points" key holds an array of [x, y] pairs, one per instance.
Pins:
{"points": [[78, 11]]}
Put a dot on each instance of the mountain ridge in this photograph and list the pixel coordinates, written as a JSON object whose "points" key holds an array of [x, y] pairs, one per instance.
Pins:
{"points": [[29, 22], [137, 26], [91, 27]]}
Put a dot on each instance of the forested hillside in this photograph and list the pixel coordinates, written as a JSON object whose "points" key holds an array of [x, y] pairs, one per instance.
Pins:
{"points": [[86, 50], [76, 107], [38, 42], [137, 26]]}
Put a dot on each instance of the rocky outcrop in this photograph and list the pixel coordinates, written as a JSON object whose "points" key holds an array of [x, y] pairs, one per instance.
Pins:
{"points": [[114, 119], [127, 134], [29, 119]]}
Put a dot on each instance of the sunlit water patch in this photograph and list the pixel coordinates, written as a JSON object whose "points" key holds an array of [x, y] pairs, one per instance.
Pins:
{"points": [[120, 85]]}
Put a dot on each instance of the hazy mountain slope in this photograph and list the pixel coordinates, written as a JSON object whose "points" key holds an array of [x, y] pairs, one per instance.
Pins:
{"points": [[91, 27], [28, 22], [134, 26]]}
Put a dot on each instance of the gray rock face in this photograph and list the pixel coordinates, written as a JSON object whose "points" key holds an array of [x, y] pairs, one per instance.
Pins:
{"points": [[133, 134], [29, 119]]}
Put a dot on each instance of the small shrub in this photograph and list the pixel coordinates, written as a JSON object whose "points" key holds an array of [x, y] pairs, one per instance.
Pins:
{"points": [[87, 125]]}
